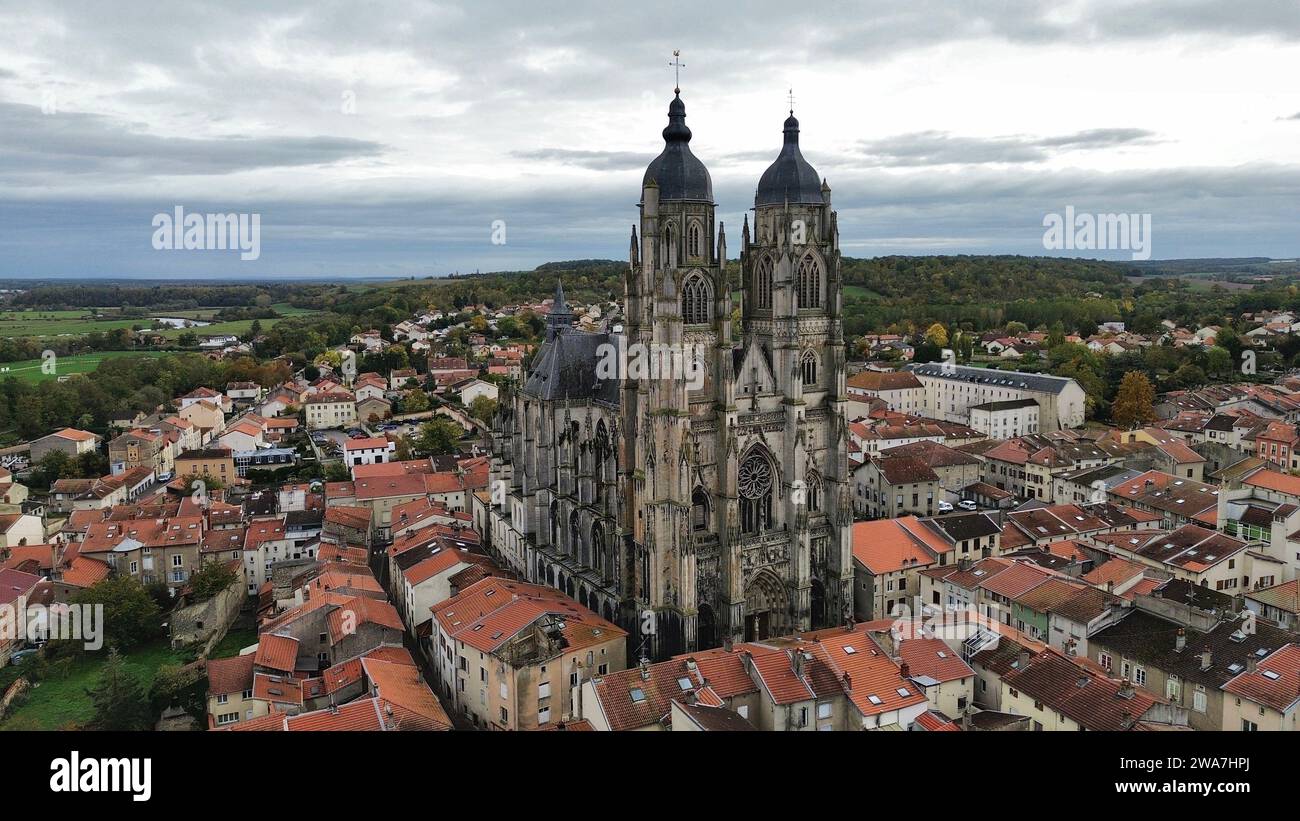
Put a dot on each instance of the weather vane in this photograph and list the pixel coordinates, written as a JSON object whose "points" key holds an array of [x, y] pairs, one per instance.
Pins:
{"points": [[677, 65], [791, 96]]}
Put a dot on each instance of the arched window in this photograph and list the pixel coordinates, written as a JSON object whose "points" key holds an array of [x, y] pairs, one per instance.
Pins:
{"points": [[602, 460], [669, 251], [814, 494], [695, 301], [598, 547], [809, 369], [755, 485], [763, 283], [555, 523], [575, 539], [699, 509], [810, 282], [693, 243]]}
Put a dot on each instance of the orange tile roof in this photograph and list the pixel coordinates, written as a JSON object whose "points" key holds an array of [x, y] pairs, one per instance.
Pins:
{"points": [[276, 652], [1275, 682], [277, 689], [230, 675], [890, 545], [404, 697], [492, 611], [360, 610], [85, 572], [875, 684], [933, 658]]}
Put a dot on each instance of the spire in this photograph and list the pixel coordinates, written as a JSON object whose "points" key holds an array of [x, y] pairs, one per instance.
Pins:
{"points": [[560, 317]]}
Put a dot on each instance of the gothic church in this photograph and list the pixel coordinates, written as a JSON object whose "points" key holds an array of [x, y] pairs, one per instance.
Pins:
{"points": [[694, 513]]}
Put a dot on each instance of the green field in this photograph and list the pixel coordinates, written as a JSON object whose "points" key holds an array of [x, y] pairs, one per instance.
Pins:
{"points": [[234, 641], [76, 323], [29, 370], [57, 323], [62, 700]]}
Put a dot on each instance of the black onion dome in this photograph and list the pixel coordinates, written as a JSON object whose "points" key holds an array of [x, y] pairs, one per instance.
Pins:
{"points": [[790, 178], [679, 173]]}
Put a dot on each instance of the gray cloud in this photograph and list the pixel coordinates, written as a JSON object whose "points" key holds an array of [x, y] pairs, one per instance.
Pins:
{"points": [[594, 160], [943, 148], [80, 143]]}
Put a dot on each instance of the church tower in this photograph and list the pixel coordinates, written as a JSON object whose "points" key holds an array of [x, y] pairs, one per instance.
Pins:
{"points": [[678, 314], [793, 451]]}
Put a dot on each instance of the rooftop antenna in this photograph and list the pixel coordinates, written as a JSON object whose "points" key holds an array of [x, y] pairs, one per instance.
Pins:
{"points": [[677, 65]]}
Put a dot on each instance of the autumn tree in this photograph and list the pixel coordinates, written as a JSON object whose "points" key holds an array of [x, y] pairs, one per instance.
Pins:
{"points": [[1134, 401]]}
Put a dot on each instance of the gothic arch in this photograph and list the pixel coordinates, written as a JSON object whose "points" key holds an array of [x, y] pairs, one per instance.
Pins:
{"points": [[813, 484], [809, 281], [696, 299], [706, 628], [809, 367], [598, 547], [669, 247], [766, 606], [757, 484], [695, 240], [763, 283], [700, 507]]}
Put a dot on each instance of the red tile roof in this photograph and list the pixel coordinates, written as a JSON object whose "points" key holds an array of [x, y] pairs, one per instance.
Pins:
{"points": [[230, 675], [276, 652], [933, 658], [1275, 683]]}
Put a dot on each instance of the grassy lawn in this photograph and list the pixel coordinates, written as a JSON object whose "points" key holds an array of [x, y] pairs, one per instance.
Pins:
{"points": [[239, 327], [236, 639], [56, 323], [29, 370], [63, 700]]}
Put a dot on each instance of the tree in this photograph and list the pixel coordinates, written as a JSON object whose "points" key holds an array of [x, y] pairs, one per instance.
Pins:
{"points": [[440, 435], [415, 401], [211, 579], [179, 685], [337, 472], [937, 335], [483, 408], [131, 616], [1134, 401], [119, 700]]}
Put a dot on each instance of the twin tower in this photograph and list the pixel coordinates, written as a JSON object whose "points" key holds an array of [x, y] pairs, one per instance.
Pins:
{"points": [[739, 495], [703, 511]]}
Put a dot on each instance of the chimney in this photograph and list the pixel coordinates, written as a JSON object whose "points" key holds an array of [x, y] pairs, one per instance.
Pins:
{"points": [[1252, 664], [963, 565], [904, 670], [1180, 641], [1069, 647], [798, 662], [1206, 659], [848, 681], [645, 669], [1023, 660], [1125, 689], [726, 644]]}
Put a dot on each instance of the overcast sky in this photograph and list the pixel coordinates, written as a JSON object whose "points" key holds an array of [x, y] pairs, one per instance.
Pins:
{"points": [[384, 138]]}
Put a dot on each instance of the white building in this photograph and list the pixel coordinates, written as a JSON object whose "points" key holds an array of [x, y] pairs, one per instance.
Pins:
{"points": [[369, 451], [952, 390], [1003, 420]]}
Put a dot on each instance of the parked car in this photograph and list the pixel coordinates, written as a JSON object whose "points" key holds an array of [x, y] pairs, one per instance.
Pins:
{"points": [[17, 658], [967, 504], [945, 507], [166, 477]]}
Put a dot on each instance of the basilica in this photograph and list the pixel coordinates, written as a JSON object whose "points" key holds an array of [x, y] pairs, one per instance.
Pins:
{"points": [[694, 512]]}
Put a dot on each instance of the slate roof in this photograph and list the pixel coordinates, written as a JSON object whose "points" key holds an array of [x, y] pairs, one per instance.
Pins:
{"points": [[679, 174], [1012, 379], [790, 178]]}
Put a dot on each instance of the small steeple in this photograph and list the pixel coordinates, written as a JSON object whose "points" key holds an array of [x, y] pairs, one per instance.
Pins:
{"points": [[560, 317]]}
